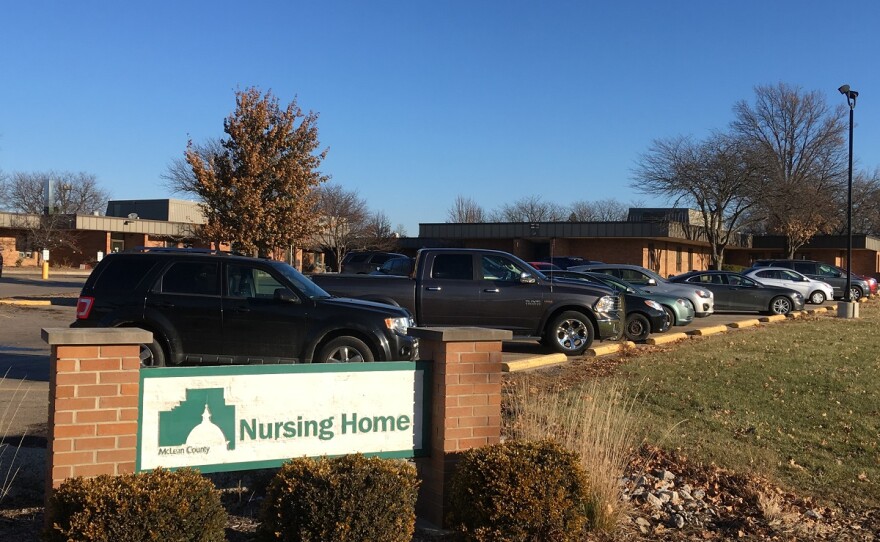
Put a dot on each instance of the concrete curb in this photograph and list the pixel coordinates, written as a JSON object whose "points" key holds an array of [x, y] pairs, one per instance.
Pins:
{"points": [[533, 362], [667, 338], [744, 323], [612, 348], [708, 331], [26, 302], [772, 318]]}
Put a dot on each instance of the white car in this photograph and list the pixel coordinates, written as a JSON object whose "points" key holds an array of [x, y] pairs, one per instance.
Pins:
{"points": [[814, 291]]}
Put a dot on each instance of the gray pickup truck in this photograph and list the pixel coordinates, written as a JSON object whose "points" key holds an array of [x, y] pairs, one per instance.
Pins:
{"points": [[489, 288]]}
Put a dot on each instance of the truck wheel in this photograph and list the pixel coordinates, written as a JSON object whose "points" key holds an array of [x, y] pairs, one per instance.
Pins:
{"points": [[345, 350], [570, 333], [637, 327]]}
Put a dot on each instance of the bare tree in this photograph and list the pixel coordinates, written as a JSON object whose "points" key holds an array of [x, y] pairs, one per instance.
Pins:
{"points": [[799, 147], [50, 202], [606, 210], [529, 209], [866, 204], [378, 234], [179, 177], [465, 210], [716, 176], [343, 218], [257, 193]]}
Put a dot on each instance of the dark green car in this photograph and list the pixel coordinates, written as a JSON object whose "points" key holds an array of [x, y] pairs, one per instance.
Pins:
{"points": [[678, 311]]}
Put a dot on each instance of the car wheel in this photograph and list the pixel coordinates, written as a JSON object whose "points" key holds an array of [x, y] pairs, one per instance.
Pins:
{"points": [[345, 350], [780, 305], [637, 327], [670, 316], [570, 333], [152, 355], [855, 293], [817, 297]]}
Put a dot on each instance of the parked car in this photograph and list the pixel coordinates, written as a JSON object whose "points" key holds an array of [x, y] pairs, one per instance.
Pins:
{"points": [[814, 291], [825, 272], [643, 315], [701, 299], [208, 307], [362, 262], [544, 266], [400, 267], [564, 262], [736, 292], [679, 312], [490, 288]]}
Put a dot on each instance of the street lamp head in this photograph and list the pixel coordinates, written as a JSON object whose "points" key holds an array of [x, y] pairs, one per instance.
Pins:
{"points": [[850, 94]]}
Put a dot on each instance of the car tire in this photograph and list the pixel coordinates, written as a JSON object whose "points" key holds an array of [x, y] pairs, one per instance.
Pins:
{"points": [[637, 327], [345, 350], [780, 305], [856, 293], [817, 297], [570, 333], [670, 317], [152, 355]]}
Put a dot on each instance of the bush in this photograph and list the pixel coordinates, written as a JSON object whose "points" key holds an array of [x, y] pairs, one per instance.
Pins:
{"points": [[519, 491], [159, 505], [345, 499]]}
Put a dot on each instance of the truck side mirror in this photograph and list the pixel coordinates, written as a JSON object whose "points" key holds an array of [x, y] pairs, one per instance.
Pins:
{"points": [[652, 282], [283, 294], [526, 278]]}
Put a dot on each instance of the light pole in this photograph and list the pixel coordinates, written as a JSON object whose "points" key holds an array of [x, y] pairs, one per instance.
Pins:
{"points": [[851, 96]]}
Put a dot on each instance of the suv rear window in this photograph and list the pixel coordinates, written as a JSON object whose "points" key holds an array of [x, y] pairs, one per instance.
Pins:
{"points": [[124, 274], [197, 278]]}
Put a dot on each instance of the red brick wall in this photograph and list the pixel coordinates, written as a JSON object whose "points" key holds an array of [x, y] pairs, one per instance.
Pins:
{"points": [[466, 413], [93, 411]]}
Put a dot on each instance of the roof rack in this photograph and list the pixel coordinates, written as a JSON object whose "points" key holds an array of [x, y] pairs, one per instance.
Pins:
{"points": [[184, 249]]}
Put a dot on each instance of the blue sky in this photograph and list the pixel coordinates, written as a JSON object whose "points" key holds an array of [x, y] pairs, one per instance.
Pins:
{"points": [[419, 102]]}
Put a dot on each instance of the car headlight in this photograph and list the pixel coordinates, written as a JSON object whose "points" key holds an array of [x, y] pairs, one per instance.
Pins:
{"points": [[704, 293], [682, 302], [607, 303], [399, 325], [654, 305]]}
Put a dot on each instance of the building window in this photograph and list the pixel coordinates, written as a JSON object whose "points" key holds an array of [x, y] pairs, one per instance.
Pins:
{"points": [[678, 259]]}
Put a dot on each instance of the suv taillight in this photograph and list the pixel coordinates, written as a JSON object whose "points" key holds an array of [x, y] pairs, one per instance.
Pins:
{"points": [[84, 306]]}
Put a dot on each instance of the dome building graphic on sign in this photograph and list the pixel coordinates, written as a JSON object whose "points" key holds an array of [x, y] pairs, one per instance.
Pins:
{"points": [[202, 419], [206, 433]]}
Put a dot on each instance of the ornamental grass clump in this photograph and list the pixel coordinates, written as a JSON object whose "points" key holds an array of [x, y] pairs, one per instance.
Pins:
{"points": [[179, 506], [345, 499], [597, 422], [518, 491]]}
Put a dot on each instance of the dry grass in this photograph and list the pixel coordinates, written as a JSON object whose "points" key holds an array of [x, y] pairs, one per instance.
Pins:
{"points": [[8, 452], [597, 422]]}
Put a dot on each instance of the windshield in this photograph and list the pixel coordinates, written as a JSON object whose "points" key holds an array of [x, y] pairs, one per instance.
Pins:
{"points": [[300, 281], [620, 285]]}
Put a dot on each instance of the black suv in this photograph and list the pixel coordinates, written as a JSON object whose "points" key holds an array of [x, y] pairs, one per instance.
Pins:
{"points": [[209, 307], [362, 262]]}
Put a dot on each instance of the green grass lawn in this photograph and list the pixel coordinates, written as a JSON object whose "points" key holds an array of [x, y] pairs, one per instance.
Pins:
{"points": [[797, 401]]}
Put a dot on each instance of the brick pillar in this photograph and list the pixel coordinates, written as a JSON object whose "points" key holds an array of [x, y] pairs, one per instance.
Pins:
{"points": [[466, 405], [94, 379]]}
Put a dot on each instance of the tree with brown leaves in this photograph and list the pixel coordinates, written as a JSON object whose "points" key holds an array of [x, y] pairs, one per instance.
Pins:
{"points": [[257, 189]]}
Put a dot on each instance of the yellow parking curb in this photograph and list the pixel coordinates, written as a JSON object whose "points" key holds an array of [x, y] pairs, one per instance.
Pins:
{"points": [[708, 331], [772, 318], [26, 302], [666, 338], [744, 323], [612, 348], [533, 362], [817, 310], [796, 314]]}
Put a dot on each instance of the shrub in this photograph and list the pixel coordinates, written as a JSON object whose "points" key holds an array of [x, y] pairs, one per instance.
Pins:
{"points": [[519, 491], [158, 505], [346, 499]]}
